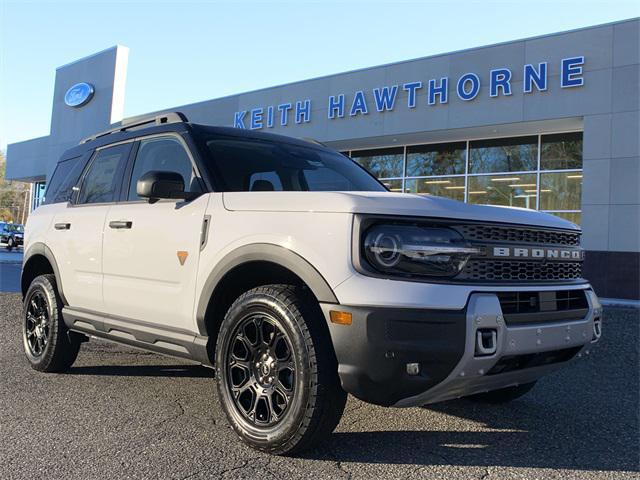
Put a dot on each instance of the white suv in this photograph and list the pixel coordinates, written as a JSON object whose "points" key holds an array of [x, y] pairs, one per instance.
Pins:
{"points": [[297, 275]]}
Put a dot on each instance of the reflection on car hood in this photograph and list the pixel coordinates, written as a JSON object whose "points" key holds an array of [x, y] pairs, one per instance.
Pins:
{"points": [[387, 203]]}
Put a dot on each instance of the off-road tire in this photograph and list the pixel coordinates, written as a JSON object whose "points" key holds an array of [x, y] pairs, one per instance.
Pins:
{"points": [[504, 395], [317, 400], [62, 346]]}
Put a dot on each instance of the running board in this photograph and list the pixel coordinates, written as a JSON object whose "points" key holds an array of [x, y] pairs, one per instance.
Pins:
{"points": [[147, 336]]}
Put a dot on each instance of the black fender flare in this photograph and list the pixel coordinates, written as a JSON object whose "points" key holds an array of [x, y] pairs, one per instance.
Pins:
{"points": [[40, 248], [264, 252]]}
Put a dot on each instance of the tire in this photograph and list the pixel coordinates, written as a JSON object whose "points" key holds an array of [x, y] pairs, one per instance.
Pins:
{"points": [[48, 344], [504, 395], [10, 244], [283, 396]]}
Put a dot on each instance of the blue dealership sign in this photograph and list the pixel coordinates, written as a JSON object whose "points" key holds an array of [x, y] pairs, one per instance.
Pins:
{"points": [[435, 91], [79, 94]]}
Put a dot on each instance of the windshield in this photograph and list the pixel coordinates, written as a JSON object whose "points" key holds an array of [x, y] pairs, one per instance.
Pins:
{"points": [[16, 228], [250, 164]]}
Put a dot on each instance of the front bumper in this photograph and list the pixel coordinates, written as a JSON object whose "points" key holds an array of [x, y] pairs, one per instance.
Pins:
{"points": [[373, 352]]}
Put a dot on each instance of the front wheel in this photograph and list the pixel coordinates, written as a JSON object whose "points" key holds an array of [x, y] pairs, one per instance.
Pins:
{"points": [[10, 244], [48, 344], [276, 371], [503, 395]]}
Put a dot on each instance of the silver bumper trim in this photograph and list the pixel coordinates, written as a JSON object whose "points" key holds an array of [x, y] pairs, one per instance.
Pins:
{"points": [[484, 312]]}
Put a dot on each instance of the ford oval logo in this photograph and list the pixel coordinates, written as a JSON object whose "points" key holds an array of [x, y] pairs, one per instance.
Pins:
{"points": [[79, 94]]}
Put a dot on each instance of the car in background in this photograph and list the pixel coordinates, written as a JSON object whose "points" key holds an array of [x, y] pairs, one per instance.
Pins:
{"points": [[11, 234]]}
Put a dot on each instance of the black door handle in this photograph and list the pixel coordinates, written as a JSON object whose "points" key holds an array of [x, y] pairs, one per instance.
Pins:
{"points": [[62, 226], [120, 224]]}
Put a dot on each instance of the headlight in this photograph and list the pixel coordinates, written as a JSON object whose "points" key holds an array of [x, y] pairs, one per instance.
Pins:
{"points": [[416, 250]]}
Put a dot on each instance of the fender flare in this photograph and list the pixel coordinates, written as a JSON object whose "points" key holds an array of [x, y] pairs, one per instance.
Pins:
{"points": [[264, 252], [40, 248]]}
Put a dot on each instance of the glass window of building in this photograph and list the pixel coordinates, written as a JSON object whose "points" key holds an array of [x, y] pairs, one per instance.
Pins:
{"points": [[393, 185], [450, 187], [436, 159], [383, 162], [574, 217], [503, 155], [561, 151], [560, 191], [501, 171], [509, 190]]}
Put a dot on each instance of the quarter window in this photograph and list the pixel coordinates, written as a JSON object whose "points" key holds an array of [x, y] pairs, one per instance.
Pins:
{"points": [[163, 154], [101, 180]]}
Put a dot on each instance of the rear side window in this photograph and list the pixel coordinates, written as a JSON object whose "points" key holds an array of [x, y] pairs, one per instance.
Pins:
{"points": [[101, 181], [64, 178]]}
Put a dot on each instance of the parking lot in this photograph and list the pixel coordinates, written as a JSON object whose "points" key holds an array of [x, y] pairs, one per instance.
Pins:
{"points": [[122, 413], [10, 265]]}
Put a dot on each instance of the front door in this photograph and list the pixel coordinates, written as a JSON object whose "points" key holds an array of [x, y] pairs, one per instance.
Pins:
{"points": [[151, 250]]}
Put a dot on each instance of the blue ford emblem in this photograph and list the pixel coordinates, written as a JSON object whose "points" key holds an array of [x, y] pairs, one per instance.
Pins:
{"points": [[79, 94]]}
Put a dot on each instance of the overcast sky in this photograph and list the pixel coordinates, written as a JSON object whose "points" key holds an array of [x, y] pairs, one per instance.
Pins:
{"points": [[182, 52]]}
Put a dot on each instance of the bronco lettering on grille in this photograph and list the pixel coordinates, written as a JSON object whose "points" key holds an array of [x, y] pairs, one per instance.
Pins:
{"points": [[541, 253]]}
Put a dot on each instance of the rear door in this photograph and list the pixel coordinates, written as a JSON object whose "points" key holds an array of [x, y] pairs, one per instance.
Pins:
{"points": [[75, 236], [151, 250]]}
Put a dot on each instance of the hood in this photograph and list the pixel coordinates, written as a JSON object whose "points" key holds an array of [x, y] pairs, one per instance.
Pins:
{"points": [[387, 203]]}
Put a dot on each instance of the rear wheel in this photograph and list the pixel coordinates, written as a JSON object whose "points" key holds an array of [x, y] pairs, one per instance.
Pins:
{"points": [[503, 395], [276, 371], [48, 344]]}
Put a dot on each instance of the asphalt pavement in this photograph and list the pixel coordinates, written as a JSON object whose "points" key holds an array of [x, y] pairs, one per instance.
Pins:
{"points": [[122, 413], [10, 266]]}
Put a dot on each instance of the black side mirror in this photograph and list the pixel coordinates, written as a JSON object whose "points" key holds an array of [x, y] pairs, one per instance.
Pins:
{"points": [[155, 185]]}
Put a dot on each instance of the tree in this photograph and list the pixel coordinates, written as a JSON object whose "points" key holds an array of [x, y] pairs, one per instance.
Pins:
{"points": [[14, 202]]}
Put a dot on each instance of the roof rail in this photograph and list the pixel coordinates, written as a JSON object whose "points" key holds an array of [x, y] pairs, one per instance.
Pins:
{"points": [[161, 119]]}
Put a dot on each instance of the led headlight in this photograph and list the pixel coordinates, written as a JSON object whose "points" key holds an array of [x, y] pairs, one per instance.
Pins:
{"points": [[416, 250]]}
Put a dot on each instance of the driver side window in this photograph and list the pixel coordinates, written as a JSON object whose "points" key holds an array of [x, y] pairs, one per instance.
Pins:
{"points": [[164, 154]]}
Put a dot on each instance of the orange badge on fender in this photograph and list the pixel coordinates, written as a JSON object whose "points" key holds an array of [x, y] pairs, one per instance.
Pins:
{"points": [[182, 256]]}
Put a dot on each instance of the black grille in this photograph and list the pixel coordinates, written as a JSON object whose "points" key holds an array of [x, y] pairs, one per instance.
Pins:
{"points": [[520, 362], [490, 233], [521, 308], [520, 271]]}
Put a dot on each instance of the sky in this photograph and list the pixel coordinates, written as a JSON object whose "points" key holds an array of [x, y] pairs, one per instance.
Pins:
{"points": [[183, 52]]}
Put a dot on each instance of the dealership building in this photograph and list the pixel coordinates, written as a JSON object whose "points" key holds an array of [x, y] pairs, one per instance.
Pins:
{"points": [[548, 123]]}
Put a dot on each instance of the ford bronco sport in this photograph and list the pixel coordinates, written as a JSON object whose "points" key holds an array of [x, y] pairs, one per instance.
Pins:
{"points": [[297, 276]]}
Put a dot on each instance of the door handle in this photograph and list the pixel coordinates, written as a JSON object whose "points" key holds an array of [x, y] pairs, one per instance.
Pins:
{"points": [[120, 224], [62, 226]]}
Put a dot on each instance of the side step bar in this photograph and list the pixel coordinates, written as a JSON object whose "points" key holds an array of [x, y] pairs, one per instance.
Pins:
{"points": [[167, 341]]}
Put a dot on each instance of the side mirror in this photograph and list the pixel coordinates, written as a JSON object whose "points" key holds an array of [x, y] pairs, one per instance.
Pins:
{"points": [[155, 185]]}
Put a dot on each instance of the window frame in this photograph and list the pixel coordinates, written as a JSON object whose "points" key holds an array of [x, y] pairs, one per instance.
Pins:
{"points": [[119, 172], [128, 171]]}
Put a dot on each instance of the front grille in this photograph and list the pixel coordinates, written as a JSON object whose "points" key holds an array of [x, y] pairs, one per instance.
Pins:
{"points": [[520, 271], [523, 308], [491, 233]]}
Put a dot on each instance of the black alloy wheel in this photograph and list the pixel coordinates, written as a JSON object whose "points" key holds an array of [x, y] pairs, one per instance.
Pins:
{"points": [[276, 371], [48, 344], [37, 323], [261, 368]]}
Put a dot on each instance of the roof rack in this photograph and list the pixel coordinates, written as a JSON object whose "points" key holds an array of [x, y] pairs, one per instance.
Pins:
{"points": [[161, 119]]}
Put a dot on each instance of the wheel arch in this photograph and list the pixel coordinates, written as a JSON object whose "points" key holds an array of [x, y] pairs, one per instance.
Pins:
{"points": [[273, 262], [38, 260]]}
